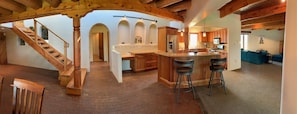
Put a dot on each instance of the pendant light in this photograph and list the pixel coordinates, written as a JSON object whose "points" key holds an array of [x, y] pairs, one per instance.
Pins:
{"points": [[204, 33]]}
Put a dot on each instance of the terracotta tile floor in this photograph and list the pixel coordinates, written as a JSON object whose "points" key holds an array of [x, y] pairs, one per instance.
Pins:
{"points": [[139, 93]]}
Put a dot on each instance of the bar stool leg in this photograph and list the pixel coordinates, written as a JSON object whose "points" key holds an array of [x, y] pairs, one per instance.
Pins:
{"points": [[176, 83], [210, 84], [210, 78], [191, 86], [178, 94], [223, 82]]}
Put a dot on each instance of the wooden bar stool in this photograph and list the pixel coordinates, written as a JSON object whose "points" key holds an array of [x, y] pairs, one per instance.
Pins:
{"points": [[217, 65], [184, 68]]}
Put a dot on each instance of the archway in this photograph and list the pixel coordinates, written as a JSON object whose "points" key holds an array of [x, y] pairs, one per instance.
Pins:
{"points": [[99, 43]]}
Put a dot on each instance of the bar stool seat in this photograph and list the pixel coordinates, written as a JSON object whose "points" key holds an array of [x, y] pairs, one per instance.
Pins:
{"points": [[184, 67], [217, 65]]}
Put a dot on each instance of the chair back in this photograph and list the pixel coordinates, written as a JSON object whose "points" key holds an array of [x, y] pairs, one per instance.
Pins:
{"points": [[27, 97], [218, 64], [184, 66], [1, 84]]}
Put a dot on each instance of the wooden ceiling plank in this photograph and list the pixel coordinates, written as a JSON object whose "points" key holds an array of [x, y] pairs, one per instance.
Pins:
{"points": [[12, 5], [180, 6], [84, 7], [54, 3], [35, 4], [5, 11], [235, 5], [268, 19], [165, 3], [182, 13], [277, 9]]}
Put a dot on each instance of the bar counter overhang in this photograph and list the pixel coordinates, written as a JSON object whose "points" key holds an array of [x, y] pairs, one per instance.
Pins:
{"points": [[201, 72]]}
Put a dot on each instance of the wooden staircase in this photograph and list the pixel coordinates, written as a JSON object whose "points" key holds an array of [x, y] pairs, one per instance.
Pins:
{"points": [[53, 56]]}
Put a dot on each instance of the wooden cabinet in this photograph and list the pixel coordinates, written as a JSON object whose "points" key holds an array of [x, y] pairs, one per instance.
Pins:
{"points": [[163, 33], [210, 36], [222, 34], [201, 38], [143, 62]]}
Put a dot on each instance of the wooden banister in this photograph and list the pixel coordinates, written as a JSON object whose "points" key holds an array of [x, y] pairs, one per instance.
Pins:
{"points": [[66, 44]]}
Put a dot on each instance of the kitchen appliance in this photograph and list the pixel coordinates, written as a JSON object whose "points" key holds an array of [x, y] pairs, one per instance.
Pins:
{"points": [[216, 40], [220, 47], [171, 43]]}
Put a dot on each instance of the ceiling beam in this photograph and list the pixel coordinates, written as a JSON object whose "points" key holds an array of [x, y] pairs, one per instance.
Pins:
{"points": [[165, 3], [182, 13], [35, 4], [180, 6], [72, 8], [4, 11], [277, 9], [235, 5], [268, 19], [12, 5], [146, 1], [277, 24], [54, 3]]}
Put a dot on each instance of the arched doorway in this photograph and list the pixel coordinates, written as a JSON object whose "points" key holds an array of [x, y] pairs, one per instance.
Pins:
{"points": [[99, 43]]}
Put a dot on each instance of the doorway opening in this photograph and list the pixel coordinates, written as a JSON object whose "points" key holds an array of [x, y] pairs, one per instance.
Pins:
{"points": [[99, 43]]}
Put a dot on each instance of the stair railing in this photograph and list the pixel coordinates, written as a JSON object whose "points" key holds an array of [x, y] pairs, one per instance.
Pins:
{"points": [[66, 44]]}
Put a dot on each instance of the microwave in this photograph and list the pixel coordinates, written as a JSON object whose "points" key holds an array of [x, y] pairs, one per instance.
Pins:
{"points": [[216, 40]]}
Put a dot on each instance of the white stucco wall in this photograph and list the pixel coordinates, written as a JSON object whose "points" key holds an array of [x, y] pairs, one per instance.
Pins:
{"points": [[271, 40], [63, 26], [24, 54], [289, 93]]}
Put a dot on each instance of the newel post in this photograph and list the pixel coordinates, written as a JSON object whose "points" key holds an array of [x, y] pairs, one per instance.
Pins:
{"points": [[76, 45]]}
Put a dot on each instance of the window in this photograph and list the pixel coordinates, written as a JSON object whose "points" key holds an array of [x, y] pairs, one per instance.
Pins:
{"points": [[244, 41], [44, 33], [193, 41], [21, 41]]}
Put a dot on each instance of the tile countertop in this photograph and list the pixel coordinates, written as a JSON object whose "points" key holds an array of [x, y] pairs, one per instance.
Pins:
{"points": [[189, 54], [142, 51]]}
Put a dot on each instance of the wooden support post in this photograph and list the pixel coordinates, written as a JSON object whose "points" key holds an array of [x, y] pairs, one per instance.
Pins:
{"points": [[35, 30], [186, 38], [76, 45]]}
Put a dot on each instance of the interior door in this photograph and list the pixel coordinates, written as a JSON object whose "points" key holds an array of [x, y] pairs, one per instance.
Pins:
{"points": [[101, 49]]}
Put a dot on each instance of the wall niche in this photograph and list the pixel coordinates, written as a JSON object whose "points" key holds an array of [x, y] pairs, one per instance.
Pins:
{"points": [[124, 32], [139, 33], [152, 36]]}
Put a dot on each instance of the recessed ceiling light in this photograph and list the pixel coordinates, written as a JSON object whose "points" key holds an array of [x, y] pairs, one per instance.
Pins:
{"points": [[283, 0]]}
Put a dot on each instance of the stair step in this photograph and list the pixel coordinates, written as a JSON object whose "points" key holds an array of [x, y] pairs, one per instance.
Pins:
{"points": [[40, 42], [50, 50], [61, 58], [55, 54], [45, 46], [71, 90], [65, 76]]}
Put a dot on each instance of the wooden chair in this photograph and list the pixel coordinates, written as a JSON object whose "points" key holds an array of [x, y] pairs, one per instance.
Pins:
{"points": [[1, 84], [27, 97]]}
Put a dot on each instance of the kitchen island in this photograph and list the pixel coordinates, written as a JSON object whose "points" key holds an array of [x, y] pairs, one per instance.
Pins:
{"points": [[200, 75]]}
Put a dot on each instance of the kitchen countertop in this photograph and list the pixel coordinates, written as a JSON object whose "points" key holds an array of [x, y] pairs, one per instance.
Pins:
{"points": [[188, 54]]}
